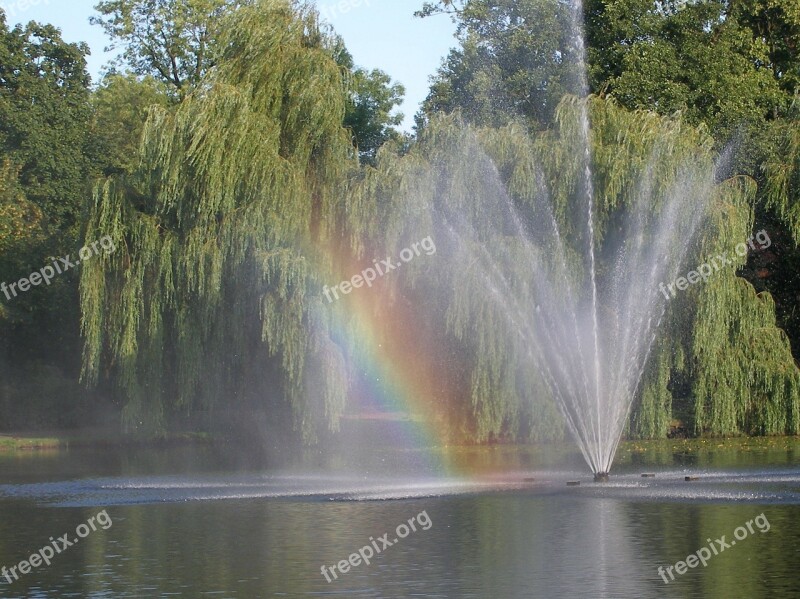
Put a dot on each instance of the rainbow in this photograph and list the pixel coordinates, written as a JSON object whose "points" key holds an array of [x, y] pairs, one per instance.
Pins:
{"points": [[398, 379]]}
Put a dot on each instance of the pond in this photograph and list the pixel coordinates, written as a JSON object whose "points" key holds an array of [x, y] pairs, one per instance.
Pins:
{"points": [[212, 521]]}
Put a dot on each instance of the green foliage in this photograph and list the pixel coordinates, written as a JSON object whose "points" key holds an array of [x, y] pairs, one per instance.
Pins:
{"points": [[231, 207], [44, 176], [173, 40], [369, 112], [697, 59], [212, 278], [722, 64], [44, 109], [20, 231], [777, 24], [373, 98], [723, 342], [44, 112], [176, 42], [783, 175], [730, 67], [517, 58], [719, 340], [20, 220], [120, 108]]}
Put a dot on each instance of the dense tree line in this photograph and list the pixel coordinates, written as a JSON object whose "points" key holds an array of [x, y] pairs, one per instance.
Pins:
{"points": [[733, 67], [242, 161], [730, 67], [59, 136]]}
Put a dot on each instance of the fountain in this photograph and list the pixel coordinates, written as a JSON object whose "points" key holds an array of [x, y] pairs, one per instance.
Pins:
{"points": [[588, 311]]}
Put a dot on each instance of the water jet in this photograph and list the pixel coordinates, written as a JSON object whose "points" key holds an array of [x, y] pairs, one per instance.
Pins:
{"points": [[575, 286]]}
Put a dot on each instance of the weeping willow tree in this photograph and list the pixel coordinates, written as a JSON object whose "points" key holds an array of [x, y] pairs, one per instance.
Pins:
{"points": [[723, 358], [206, 302], [783, 176], [718, 345], [734, 364]]}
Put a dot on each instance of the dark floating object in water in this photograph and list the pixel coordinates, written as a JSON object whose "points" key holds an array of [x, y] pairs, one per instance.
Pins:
{"points": [[529, 480], [689, 478], [573, 483], [648, 475], [601, 477]]}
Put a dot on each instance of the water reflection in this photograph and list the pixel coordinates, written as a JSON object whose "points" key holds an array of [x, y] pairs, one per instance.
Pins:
{"points": [[492, 536]]}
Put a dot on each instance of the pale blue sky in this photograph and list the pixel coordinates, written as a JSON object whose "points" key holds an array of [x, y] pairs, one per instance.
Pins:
{"points": [[380, 34]]}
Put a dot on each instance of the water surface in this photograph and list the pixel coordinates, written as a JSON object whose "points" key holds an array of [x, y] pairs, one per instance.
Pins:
{"points": [[210, 522]]}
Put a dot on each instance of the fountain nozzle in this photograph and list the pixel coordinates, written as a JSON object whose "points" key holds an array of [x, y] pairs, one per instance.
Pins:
{"points": [[601, 477]]}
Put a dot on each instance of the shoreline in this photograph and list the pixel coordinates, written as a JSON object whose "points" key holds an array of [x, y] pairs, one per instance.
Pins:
{"points": [[11, 442], [57, 441]]}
